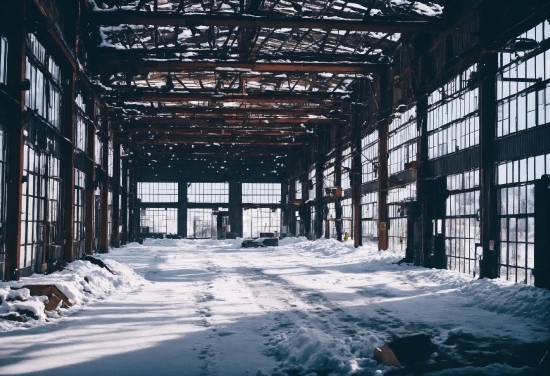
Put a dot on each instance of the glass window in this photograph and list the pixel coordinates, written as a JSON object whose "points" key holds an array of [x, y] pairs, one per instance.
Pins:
{"points": [[256, 221], [3, 59], [261, 193], [453, 116], [208, 192], [158, 192]]}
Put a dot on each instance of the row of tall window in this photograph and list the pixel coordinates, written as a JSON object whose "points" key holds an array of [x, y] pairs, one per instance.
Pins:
{"points": [[453, 116], [252, 193], [44, 75], [523, 87], [402, 140], [462, 230], [369, 157], [517, 215]]}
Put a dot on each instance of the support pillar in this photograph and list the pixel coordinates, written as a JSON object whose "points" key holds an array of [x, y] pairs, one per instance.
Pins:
{"points": [[115, 231], [132, 235], [236, 208], [338, 181], [423, 225], [104, 195], [490, 226], [124, 202], [356, 171], [284, 207], [319, 201], [90, 184], [488, 197], [16, 68], [182, 208], [67, 168], [385, 90]]}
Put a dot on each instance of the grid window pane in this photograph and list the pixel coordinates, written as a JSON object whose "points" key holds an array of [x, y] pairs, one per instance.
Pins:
{"points": [[158, 192], [208, 193], [256, 221], [261, 193]]}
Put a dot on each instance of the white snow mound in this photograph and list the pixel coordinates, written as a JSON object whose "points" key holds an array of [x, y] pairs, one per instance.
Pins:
{"points": [[82, 282]]}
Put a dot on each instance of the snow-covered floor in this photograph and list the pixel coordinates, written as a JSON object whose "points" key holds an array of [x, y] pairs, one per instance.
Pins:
{"points": [[304, 308]]}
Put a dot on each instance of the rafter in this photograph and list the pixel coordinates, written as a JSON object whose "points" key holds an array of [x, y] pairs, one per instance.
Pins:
{"points": [[146, 65], [267, 97], [387, 25]]}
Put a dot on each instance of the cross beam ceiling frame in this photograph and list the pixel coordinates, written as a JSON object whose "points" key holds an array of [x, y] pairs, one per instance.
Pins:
{"points": [[225, 111], [382, 25], [148, 65], [183, 121], [267, 97]]}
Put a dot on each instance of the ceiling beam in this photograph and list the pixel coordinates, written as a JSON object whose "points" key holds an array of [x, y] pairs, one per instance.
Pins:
{"points": [[173, 96], [374, 24], [183, 121], [131, 54], [146, 66], [217, 131], [225, 111]]}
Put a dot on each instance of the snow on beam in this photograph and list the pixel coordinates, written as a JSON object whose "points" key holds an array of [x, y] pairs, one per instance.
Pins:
{"points": [[228, 111], [147, 66], [274, 120], [124, 17], [267, 97]]}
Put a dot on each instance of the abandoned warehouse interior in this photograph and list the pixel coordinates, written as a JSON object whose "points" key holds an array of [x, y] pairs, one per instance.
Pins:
{"points": [[424, 127]]}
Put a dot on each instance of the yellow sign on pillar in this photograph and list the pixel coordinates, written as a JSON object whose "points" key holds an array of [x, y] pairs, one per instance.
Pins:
{"points": [[382, 226]]}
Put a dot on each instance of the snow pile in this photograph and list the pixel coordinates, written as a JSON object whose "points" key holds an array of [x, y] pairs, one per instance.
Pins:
{"points": [[18, 305], [323, 247], [82, 283], [514, 299], [314, 351], [291, 240], [309, 350]]}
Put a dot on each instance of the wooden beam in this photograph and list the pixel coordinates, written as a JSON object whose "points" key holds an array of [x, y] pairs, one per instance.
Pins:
{"points": [[373, 24]]}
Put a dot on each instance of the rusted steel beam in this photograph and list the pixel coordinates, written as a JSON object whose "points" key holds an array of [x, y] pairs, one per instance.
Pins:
{"points": [[90, 187], [104, 196], [225, 111], [147, 66], [230, 120], [231, 142], [218, 132], [67, 168], [383, 25], [115, 231], [267, 97], [15, 151], [131, 54], [386, 99]]}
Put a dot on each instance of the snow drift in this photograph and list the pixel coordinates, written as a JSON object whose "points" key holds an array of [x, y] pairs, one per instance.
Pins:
{"points": [[82, 282]]}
